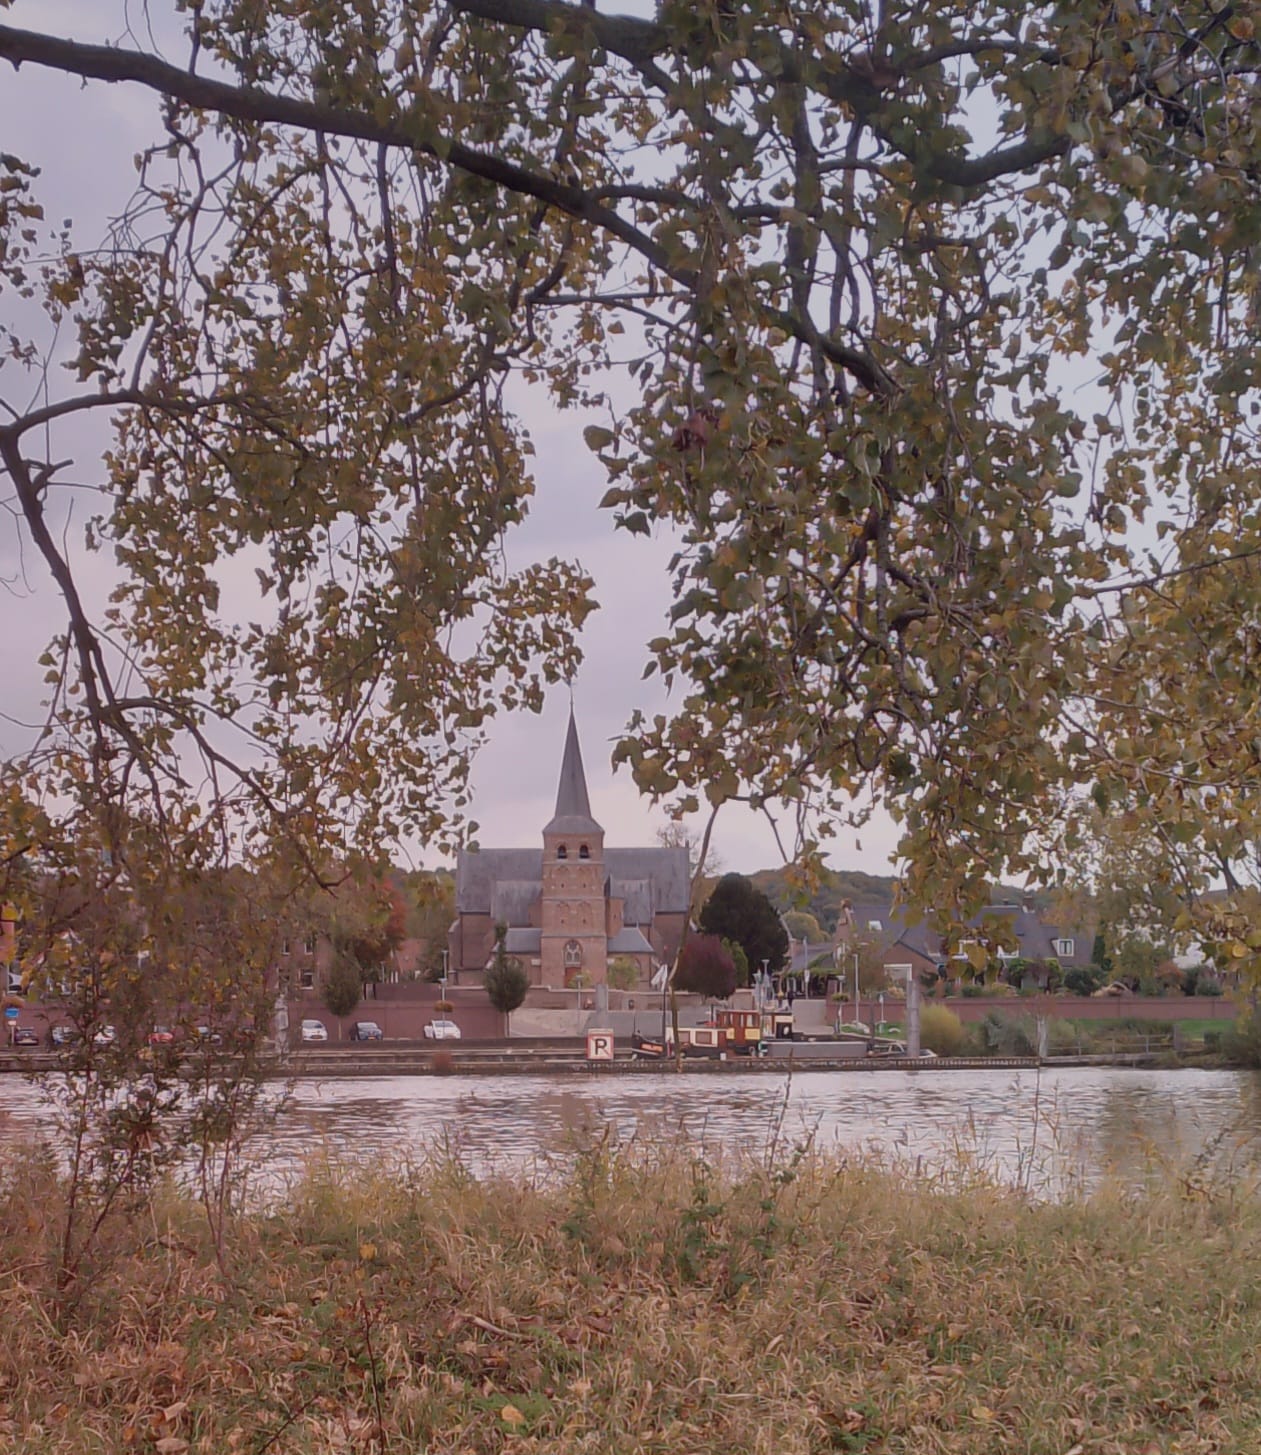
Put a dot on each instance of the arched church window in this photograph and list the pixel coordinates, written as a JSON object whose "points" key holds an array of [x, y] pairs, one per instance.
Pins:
{"points": [[573, 955], [584, 852], [562, 852]]}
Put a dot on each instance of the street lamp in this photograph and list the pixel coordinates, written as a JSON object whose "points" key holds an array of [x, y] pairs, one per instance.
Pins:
{"points": [[665, 991]]}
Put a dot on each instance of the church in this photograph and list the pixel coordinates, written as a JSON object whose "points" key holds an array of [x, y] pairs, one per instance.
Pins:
{"points": [[571, 906]]}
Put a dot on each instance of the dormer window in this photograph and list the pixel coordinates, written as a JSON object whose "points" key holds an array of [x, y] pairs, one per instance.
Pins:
{"points": [[584, 852], [562, 852]]}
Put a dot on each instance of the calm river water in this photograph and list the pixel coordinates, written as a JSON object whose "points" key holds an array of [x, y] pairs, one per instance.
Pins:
{"points": [[1053, 1131]]}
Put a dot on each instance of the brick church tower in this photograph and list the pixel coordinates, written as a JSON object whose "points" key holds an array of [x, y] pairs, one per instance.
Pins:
{"points": [[573, 907]]}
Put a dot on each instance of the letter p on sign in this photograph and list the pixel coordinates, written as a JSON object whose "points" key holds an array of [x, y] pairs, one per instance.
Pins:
{"points": [[599, 1045]]}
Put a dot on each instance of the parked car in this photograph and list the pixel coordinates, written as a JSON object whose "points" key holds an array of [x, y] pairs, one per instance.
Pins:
{"points": [[62, 1036], [442, 1031], [25, 1036], [161, 1036], [314, 1031], [207, 1036], [106, 1036], [366, 1031]]}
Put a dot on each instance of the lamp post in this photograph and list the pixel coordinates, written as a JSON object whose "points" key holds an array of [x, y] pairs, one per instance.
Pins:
{"points": [[665, 991], [855, 987]]}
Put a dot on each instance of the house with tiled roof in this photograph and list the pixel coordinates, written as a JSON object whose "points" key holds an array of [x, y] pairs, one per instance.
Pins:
{"points": [[1022, 932], [571, 906]]}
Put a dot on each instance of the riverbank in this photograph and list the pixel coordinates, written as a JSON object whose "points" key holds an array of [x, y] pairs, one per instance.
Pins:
{"points": [[643, 1303], [367, 1061]]}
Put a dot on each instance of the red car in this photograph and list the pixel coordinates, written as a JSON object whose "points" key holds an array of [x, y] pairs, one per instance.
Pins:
{"points": [[161, 1036]]}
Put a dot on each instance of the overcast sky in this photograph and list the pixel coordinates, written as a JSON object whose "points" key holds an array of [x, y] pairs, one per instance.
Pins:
{"points": [[84, 138]]}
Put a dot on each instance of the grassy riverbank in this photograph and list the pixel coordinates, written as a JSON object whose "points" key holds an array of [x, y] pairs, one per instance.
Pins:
{"points": [[643, 1303]]}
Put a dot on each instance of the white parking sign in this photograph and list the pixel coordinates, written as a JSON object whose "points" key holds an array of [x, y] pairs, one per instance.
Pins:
{"points": [[599, 1045]]}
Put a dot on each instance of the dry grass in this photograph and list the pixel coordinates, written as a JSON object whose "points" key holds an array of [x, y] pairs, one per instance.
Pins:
{"points": [[648, 1303]]}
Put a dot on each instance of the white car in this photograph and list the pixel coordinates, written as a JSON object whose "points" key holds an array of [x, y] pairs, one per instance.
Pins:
{"points": [[314, 1031], [442, 1031]]}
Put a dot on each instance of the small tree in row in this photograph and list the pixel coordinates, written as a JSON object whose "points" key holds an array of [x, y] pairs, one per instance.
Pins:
{"points": [[623, 973], [344, 985], [505, 979], [706, 968]]}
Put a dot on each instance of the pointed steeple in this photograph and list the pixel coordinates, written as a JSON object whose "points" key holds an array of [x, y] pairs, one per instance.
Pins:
{"points": [[573, 807]]}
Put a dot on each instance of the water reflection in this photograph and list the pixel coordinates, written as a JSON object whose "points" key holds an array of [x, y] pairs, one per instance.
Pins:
{"points": [[1050, 1132]]}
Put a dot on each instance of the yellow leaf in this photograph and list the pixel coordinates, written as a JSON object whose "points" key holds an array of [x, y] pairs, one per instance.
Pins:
{"points": [[983, 1412], [367, 1252], [511, 1415]]}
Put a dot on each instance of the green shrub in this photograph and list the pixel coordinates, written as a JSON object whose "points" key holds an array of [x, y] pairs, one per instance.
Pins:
{"points": [[972, 990], [1213, 1040], [974, 1040], [1063, 1038], [1083, 979], [941, 1031], [1009, 1035]]}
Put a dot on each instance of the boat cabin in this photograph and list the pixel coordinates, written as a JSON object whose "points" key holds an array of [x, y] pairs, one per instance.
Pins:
{"points": [[708, 1041], [744, 1030], [777, 1025]]}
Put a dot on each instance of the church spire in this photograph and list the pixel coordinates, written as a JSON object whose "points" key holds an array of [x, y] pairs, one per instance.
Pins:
{"points": [[573, 806]]}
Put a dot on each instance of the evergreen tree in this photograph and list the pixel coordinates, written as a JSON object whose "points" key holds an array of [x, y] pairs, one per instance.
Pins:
{"points": [[738, 911], [1099, 955], [344, 985]]}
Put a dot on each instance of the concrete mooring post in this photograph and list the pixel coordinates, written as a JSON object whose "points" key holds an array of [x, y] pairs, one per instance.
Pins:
{"points": [[912, 1012]]}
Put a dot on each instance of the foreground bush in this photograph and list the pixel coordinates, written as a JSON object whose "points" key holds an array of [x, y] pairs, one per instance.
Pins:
{"points": [[651, 1304], [1241, 1042]]}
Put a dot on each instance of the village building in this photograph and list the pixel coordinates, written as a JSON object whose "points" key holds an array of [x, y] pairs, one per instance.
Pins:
{"points": [[571, 907], [1018, 931]]}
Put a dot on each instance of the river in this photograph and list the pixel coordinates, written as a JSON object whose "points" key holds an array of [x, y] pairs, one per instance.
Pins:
{"points": [[1050, 1132]]}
